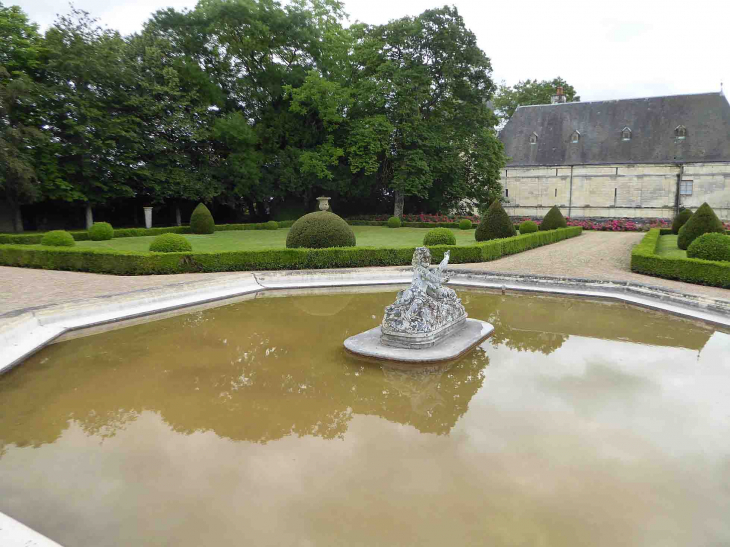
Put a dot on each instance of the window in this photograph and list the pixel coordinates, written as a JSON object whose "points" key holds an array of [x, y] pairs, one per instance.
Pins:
{"points": [[680, 132], [506, 192], [685, 188], [575, 137], [626, 134], [533, 138], [556, 192]]}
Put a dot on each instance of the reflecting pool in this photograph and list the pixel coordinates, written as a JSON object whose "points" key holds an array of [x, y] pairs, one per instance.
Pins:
{"points": [[577, 423]]}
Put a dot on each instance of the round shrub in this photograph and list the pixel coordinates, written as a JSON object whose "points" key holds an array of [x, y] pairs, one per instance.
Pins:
{"points": [[320, 230], [201, 221], [394, 222], [465, 224], [271, 225], [101, 231], [680, 220], [439, 236], [170, 243], [703, 221], [58, 238], [495, 224], [712, 246], [528, 227], [553, 220]]}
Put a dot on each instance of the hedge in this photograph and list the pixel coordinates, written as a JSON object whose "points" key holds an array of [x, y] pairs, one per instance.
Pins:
{"points": [[141, 263], [644, 260]]}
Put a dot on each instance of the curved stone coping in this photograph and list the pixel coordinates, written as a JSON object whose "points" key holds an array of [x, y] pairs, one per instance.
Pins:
{"points": [[15, 534]]}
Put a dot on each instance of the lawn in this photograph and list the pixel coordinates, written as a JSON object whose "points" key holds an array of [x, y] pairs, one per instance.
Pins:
{"points": [[367, 236], [668, 247]]}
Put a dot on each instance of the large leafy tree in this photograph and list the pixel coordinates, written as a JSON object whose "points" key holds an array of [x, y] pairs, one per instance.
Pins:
{"points": [[529, 92]]}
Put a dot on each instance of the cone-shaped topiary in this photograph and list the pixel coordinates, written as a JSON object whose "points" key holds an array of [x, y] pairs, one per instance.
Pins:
{"points": [[170, 243], [680, 220], [320, 230], [58, 238], [528, 227], [712, 246], [465, 224], [439, 236], [201, 221], [703, 221], [553, 220], [394, 222], [101, 231], [495, 224]]}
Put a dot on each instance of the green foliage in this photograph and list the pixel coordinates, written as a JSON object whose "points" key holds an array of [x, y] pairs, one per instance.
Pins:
{"points": [[528, 227], [101, 231], [137, 263], [495, 224], [703, 221], [553, 219], [465, 224], [680, 220], [58, 238], [320, 230], [712, 246], [271, 225], [201, 221], [394, 222], [170, 243], [530, 92], [439, 236]]}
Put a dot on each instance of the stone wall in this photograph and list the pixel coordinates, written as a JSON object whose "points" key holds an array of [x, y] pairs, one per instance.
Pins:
{"points": [[642, 191]]}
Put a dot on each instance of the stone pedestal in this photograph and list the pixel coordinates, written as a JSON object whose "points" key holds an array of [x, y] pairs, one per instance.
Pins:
{"points": [[147, 217]]}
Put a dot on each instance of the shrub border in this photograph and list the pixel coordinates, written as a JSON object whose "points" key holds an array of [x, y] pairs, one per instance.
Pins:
{"points": [[644, 260], [146, 263]]}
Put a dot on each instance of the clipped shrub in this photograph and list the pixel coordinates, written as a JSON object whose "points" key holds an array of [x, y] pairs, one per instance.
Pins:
{"points": [[101, 231], [170, 243], [712, 246], [201, 221], [394, 222], [528, 227], [554, 219], [271, 225], [465, 224], [703, 221], [320, 230], [439, 236], [680, 220], [495, 224], [58, 238]]}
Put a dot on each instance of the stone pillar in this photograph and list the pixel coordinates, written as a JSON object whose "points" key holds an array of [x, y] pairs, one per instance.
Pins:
{"points": [[89, 216], [148, 217], [178, 219]]}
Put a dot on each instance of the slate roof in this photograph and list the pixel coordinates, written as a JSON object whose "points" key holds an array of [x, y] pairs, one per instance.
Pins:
{"points": [[652, 122]]}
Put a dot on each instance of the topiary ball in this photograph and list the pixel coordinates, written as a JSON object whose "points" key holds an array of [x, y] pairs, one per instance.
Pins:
{"points": [[394, 222], [465, 224], [712, 246], [553, 220], [101, 231], [271, 225], [495, 224], [170, 243], [680, 220], [320, 230], [703, 221], [201, 221], [439, 236], [58, 238], [528, 227]]}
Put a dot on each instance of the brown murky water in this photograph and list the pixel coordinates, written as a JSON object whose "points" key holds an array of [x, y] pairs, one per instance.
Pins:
{"points": [[578, 423]]}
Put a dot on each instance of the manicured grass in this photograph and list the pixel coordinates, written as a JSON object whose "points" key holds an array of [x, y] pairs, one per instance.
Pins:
{"points": [[668, 247], [367, 236]]}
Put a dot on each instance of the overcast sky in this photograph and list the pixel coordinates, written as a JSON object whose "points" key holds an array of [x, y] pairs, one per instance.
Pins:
{"points": [[606, 49]]}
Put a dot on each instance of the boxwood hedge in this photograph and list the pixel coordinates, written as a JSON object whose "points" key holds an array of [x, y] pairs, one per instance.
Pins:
{"points": [[141, 263]]}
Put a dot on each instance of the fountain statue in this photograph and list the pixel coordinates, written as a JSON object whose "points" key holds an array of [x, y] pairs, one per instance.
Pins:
{"points": [[426, 317]]}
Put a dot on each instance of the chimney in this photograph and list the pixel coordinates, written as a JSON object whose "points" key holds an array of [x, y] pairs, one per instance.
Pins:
{"points": [[559, 97]]}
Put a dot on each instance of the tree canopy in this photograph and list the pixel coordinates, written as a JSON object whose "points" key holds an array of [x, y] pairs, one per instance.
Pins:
{"points": [[529, 92]]}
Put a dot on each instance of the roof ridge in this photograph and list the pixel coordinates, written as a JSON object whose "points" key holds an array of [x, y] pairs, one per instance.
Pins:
{"points": [[631, 99]]}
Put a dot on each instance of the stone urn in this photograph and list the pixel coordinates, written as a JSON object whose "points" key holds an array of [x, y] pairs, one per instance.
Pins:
{"points": [[324, 203]]}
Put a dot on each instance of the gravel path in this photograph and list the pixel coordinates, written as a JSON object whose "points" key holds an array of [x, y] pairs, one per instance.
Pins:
{"points": [[595, 255]]}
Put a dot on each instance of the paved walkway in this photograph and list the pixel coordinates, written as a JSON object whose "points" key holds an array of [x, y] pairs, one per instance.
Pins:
{"points": [[594, 255]]}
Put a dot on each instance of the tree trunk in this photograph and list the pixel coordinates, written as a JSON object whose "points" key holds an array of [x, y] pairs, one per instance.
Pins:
{"points": [[89, 216], [178, 220], [399, 198], [17, 218]]}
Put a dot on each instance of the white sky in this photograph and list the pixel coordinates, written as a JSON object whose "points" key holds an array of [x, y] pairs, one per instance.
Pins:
{"points": [[606, 49]]}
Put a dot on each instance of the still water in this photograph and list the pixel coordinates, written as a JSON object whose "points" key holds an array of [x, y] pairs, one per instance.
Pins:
{"points": [[577, 423]]}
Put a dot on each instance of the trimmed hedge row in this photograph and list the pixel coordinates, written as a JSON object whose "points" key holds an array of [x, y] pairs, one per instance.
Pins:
{"points": [[139, 263], [644, 260]]}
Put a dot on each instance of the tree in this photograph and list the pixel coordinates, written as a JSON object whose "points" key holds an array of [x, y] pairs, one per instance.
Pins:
{"points": [[529, 92]]}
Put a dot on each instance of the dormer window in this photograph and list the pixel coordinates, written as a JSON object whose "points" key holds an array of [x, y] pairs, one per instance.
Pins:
{"points": [[626, 134], [533, 138], [575, 137], [680, 132]]}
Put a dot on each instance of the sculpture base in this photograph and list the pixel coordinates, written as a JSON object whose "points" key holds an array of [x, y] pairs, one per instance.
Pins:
{"points": [[420, 340], [369, 344]]}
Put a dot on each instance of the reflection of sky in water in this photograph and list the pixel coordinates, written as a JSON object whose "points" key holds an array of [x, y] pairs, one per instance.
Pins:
{"points": [[582, 442]]}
